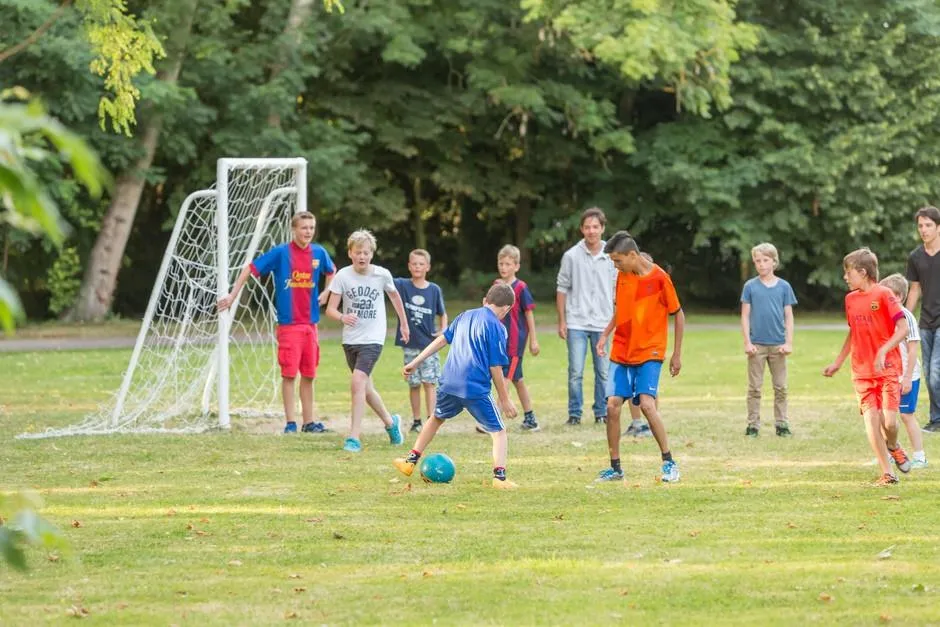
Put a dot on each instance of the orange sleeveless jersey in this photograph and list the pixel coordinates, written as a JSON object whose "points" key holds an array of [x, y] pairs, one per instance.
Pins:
{"points": [[641, 311]]}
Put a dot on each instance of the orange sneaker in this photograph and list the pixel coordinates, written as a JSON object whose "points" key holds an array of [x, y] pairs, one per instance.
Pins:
{"points": [[900, 458], [404, 466], [885, 480], [504, 484]]}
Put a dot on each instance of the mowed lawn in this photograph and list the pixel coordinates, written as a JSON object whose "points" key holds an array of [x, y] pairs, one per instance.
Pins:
{"points": [[253, 527]]}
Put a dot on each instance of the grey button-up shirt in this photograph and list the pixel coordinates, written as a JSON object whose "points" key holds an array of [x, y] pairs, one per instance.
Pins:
{"points": [[588, 282]]}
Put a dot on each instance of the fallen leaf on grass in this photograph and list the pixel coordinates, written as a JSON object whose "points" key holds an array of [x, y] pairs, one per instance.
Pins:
{"points": [[825, 597], [673, 561], [338, 536], [886, 554], [694, 533], [291, 615], [294, 576], [300, 589], [861, 526], [314, 520], [460, 506], [577, 444], [394, 480], [891, 497], [122, 606], [52, 557], [624, 593], [200, 532], [235, 563], [746, 482], [189, 527], [182, 593], [171, 512], [427, 573], [93, 483], [203, 520], [791, 525], [76, 523], [77, 611], [558, 517], [885, 618]]}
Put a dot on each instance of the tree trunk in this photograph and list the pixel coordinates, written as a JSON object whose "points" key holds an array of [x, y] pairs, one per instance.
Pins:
{"points": [[299, 13], [523, 226], [100, 281]]}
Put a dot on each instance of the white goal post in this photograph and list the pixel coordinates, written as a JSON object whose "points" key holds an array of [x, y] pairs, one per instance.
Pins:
{"points": [[192, 368]]}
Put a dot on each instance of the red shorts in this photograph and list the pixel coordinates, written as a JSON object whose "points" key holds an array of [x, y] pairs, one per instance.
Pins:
{"points": [[883, 393], [298, 349]]}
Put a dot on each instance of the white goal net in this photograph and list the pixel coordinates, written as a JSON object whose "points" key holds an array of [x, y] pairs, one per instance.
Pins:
{"points": [[192, 368]]}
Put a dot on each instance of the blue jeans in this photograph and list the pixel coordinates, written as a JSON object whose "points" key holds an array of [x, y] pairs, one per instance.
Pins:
{"points": [[579, 342], [930, 347]]}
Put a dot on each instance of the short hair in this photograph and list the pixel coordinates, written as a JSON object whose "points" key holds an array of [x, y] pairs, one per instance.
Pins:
{"points": [[360, 238], [931, 213], [301, 215], [420, 252], [621, 242], [509, 251], [500, 295], [767, 250], [862, 259], [897, 284], [593, 212]]}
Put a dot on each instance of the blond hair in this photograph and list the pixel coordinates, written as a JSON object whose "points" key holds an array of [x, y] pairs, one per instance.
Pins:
{"points": [[500, 295], [301, 215], [766, 249], [509, 251], [361, 238], [420, 252], [897, 284], [862, 259]]}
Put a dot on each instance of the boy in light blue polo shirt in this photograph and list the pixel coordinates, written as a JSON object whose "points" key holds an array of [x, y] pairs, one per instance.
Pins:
{"points": [[477, 355], [767, 325]]}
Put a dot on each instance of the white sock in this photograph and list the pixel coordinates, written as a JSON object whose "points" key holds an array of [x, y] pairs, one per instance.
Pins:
{"points": [[637, 423], [920, 456]]}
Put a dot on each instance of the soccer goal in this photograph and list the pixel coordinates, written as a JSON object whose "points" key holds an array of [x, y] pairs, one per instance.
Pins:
{"points": [[192, 368]]}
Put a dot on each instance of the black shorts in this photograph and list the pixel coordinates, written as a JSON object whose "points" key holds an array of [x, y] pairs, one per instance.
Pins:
{"points": [[362, 356]]}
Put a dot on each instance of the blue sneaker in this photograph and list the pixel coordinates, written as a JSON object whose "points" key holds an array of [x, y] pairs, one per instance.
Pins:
{"points": [[609, 474], [352, 445], [290, 427], [395, 435], [670, 472], [314, 427]]}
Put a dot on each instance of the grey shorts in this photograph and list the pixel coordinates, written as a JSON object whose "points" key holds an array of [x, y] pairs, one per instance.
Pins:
{"points": [[428, 372], [362, 356]]}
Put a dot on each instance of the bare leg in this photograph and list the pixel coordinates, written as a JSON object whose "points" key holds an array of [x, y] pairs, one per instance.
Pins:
{"points": [[614, 407], [287, 393], [427, 433], [523, 391], [649, 407], [890, 422], [307, 406], [500, 448], [414, 395], [874, 423], [913, 431], [430, 397], [375, 402], [357, 386]]}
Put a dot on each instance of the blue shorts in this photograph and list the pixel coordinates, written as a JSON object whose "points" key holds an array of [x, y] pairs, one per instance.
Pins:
{"points": [[628, 382], [513, 372], [484, 410], [909, 400]]}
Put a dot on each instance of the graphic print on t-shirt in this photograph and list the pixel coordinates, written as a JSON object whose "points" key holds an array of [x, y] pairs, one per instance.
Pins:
{"points": [[361, 300]]}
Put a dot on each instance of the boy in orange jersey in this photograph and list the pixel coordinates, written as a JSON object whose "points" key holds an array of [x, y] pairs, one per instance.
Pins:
{"points": [[644, 298], [876, 326]]}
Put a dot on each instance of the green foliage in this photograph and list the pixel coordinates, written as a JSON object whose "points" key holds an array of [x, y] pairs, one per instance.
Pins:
{"points": [[21, 526], [64, 280]]}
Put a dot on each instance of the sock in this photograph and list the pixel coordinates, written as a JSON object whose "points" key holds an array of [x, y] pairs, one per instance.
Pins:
{"points": [[499, 472], [615, 464], [667, 456], [919, 456], [413, 456]]}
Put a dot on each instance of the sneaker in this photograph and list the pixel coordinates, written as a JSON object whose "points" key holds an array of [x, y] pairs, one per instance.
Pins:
{"points": [[670, 472], [530, 424], [931, 427], [504, 484], [416, 426], [885, 480], [600, 420], [918, 463], [314, 427], [573, 421], [404, 466], [290, 427], [609, 474], [784, 431], [395, 436], [643, 431], [630, 432], [352, 445], [751, 431], [900, 459]]}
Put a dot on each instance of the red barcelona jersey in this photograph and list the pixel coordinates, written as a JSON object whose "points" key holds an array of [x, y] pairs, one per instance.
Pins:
{"points": [[297, 274], [872, 315]]}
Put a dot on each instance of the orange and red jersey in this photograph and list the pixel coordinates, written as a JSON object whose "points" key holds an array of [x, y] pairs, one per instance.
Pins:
{"points": [[641, 316], [872, 316]]}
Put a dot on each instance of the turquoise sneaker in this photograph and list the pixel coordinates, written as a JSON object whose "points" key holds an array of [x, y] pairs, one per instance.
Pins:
{"points": [[352, 445], [395, 434], [670, 472], [290, 427], [609, 474]]}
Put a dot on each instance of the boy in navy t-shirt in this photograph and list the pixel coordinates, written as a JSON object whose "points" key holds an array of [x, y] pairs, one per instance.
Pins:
{"points": [[423, 301], [297, 267], [767, 325], [477, 355]]}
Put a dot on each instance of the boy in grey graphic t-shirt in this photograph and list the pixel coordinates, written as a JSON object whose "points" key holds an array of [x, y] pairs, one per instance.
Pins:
{"points": [[362, 288]]}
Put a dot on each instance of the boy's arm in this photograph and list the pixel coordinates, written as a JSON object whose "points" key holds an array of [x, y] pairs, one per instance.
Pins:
{"points": [[332, 311], [901, 330], [325, 294], [226, 301], [444, 322], [602, 340], [787, 347], [439, 342], [395, 297], [675, 364], [561, 299], [502, 394], [749, 349], [911, 349], [832, 368], [530, 325], [913, 294]]}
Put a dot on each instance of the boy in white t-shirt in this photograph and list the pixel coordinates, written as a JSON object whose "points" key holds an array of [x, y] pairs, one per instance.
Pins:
{"points": [[910, 379], [361, 287]]}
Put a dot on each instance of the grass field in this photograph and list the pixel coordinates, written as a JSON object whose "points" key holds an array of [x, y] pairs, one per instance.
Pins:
{"points": [[255, 528]]}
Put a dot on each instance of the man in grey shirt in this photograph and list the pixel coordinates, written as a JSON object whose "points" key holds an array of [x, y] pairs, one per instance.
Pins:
{"points": [[585, 301]]}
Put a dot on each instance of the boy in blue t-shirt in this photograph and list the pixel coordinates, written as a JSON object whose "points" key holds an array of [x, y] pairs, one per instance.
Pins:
{"points": [[423, 301], [297, 267], [477, 355], [767, 325]]}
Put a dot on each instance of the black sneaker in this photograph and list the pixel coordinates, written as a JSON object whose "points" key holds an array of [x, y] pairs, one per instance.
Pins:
{"points": [[416, 426], [314, 427], [784, 431], [573, 421], [600, 420], [751, 431], [530, 424], [931, 427]]}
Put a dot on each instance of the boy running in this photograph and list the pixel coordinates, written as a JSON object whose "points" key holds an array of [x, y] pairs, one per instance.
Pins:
{"points": [[477, 356], [876, 327]]}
